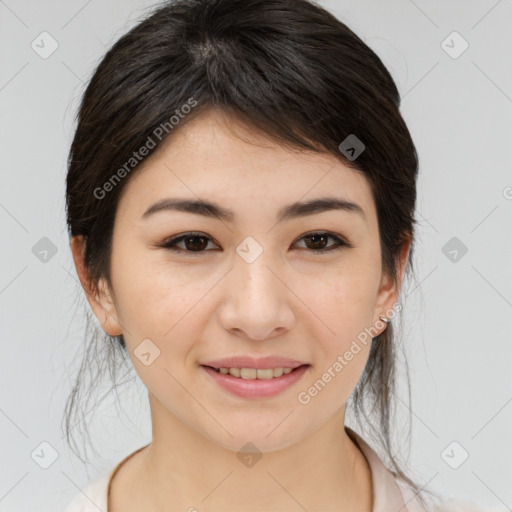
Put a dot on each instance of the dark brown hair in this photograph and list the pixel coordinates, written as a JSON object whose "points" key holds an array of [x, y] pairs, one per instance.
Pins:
{"points": [[290, 69]]}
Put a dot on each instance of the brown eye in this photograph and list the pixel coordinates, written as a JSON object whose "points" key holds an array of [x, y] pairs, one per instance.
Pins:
{"points": [[198, 242], [317, 242], [193, 242]]}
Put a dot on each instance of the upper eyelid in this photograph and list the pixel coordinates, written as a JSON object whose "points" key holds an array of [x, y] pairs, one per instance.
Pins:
{"points": [[340, 239]]}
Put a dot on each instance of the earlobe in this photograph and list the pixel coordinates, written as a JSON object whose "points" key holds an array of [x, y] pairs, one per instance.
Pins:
{"points": [[389, 290], [100, 297], [387, 298], [105, 310]]}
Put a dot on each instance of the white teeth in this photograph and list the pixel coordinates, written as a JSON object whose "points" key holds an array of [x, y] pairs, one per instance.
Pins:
{"points": [[255, 373]]}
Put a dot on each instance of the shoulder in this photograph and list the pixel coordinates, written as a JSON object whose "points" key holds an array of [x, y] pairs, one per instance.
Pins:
{"points": [[393, 493], [93, 497], [434, 504]]}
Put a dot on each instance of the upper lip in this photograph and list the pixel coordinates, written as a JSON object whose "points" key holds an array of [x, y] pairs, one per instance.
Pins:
{"points": [[254, 362]]}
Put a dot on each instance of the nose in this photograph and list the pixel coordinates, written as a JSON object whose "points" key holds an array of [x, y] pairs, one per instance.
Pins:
{"points": [[256, 301]]}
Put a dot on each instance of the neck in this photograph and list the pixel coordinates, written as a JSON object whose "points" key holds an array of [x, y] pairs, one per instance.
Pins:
{"points": [[325, 471]]}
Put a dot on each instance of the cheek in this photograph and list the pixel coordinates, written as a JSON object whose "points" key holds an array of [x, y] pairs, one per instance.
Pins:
{"points": [[333, 380], [153, 299], [343, 306], [344, 301], [343, 347]]}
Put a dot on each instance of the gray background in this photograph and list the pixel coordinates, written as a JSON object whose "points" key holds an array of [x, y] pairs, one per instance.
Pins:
{"points": [[459, 111]]}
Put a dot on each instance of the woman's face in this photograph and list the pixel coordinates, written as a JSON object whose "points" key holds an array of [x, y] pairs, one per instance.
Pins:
{"points": [[249, 284]]}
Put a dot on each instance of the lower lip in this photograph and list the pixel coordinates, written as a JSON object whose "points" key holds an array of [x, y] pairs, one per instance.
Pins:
{"points": [[256, 388]]}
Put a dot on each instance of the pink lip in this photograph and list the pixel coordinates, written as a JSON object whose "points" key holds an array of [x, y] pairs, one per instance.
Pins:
{"points": [[253, 362], [257, 388]]}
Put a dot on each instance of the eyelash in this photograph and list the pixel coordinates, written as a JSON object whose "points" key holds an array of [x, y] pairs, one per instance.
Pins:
{"points": [[340, 243]]}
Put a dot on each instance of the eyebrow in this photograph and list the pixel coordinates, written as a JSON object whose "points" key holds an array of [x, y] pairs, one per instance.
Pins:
{"points": [[288, 212]]}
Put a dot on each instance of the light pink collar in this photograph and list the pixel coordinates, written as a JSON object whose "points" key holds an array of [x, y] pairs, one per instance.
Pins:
{"points": [[387, 495]]}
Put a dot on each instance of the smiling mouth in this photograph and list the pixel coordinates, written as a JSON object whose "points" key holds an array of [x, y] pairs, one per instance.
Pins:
{"points": [[256, 373]]}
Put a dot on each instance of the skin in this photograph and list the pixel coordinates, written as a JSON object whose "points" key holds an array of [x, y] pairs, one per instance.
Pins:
{"points": [[199, 306]]}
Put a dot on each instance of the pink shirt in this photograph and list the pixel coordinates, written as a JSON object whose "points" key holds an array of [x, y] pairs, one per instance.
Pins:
{"points": [[390, 493]]}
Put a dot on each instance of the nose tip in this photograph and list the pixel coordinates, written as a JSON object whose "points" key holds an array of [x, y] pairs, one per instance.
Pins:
{"points": [[256, 302]]}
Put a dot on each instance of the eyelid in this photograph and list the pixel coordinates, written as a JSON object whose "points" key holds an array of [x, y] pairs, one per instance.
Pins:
{"points": [[338, 238], [169, 243], [341, 242]]}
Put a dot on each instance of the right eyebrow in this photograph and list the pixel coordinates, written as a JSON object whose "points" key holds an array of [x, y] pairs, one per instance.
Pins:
{"points": [[288, 212]]}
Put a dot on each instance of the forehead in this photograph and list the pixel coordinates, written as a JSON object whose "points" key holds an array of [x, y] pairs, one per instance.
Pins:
{"points": [[218, 157]]}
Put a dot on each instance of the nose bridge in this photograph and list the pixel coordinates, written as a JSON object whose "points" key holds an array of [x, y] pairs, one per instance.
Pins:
{"points": [[256, 301], [258, 286], [252, 266]]}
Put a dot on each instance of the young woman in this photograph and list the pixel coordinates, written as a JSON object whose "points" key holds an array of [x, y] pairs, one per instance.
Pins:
{"points": [[240, 202]]}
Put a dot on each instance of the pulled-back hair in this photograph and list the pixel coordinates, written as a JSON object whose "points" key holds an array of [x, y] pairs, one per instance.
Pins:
{"points": [[288, 68]]}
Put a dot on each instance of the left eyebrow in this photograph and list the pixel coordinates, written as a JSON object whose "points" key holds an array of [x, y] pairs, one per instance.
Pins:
{"points": [[288, 212]]}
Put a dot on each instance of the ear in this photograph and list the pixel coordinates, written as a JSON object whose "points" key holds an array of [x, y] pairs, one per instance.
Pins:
{"points": [[101, 301], [388, 292]]}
